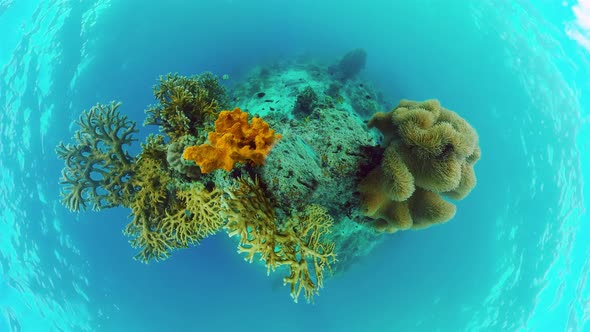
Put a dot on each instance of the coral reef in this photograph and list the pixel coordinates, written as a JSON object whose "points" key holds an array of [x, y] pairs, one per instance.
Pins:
{"points": [[430, 151], [364, 99], [234, 140], [322, 188], [97, 166]]}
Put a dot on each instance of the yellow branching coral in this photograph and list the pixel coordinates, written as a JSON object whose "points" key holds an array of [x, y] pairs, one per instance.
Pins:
{"points": [[196, 216], [299, 244], [250, 216], [98, 166], [306, 246], [429, 151], [147, 205], [165, 217]]}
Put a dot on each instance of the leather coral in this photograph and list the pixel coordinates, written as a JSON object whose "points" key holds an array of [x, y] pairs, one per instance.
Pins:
{"points": [[234, 140], [429, 153]]}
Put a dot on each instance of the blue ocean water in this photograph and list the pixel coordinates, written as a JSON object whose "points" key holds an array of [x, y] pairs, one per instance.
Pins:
{"points": [[514, 258]]}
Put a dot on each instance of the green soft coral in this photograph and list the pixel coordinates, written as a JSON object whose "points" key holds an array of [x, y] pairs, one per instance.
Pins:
{"points": [[97, 167]]}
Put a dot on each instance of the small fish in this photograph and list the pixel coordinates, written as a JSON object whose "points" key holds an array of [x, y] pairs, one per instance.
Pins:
{"points": [[225, 77]]}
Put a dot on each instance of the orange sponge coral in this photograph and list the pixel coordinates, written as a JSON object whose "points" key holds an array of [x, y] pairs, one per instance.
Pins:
{"points": [[234, 140]]}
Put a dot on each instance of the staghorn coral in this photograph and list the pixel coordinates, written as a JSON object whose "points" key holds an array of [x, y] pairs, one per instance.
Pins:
{"points": [[185, 103], [234, 140], [166, 216], [429, 151], [299, 243], [97, 166], [306, 232], [154, 148]]}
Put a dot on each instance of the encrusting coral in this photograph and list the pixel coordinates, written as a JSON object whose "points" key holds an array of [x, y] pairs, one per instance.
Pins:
{"points": [[299, 244], [234, 140], [429, 151]]}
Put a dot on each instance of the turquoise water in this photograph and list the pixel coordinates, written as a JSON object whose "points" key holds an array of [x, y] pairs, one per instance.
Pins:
{"points": [[514, 258]]}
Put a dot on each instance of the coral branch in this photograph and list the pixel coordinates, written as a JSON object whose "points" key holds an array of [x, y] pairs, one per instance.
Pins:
{"points": [[97, 167]]}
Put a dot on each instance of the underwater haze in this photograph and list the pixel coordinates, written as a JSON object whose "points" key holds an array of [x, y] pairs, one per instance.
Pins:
{"points": [[513, 257]]}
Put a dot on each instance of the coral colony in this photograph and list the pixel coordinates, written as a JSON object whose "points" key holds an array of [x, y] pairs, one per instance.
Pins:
{"points": [[284, 163]]}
